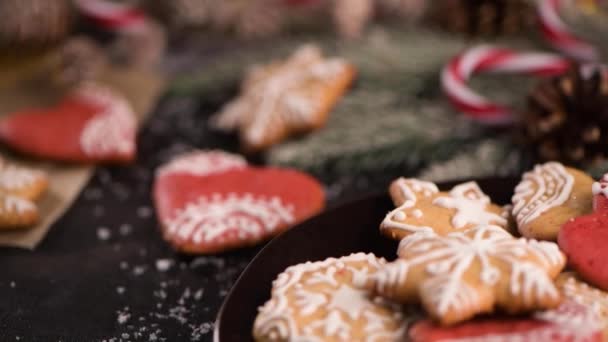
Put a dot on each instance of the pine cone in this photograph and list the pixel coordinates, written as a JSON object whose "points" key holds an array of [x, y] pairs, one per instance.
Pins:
{"points": [[567, 116], [34, 22], [482, 17]]}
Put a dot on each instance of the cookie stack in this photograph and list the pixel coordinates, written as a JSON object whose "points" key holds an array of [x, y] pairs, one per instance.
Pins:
{"points": [[478, 270]]}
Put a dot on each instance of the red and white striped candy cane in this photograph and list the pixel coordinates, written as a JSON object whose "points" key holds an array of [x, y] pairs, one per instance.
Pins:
{"points": [[495, 60], [557, 34], [120, 17]]}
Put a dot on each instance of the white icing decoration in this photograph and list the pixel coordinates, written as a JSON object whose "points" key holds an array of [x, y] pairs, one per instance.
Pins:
{"points": [[409, 188], [586, 295], [601, 187], [14, 178], [552, 182], [14, 204], [280, 94], [203, 163], [111, 131], [470, 204], [208, 219], [339, 304], [446, 259]]}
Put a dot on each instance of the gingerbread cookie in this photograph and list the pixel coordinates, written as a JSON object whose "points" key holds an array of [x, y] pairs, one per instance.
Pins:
{"points": [[423, 208], [284, 98], [547, 197], [584, 239], [569, 322], [16, 212], [22, 182], [203, 212], [91, 124], [470, 272], [321, 301]]}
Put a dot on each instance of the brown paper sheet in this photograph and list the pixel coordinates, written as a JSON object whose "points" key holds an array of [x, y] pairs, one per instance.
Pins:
{"points": [[20, 90]]}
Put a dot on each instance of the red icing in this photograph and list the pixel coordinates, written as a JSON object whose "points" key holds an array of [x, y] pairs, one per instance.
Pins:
{"points": [[516, 329], [296, 190], [55, 132], [584, 240]]}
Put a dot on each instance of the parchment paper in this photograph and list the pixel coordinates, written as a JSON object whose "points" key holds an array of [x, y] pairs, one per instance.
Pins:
{"points": [[23, 85]]}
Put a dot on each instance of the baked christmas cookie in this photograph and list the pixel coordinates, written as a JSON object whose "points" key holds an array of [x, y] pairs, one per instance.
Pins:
{"points": [[208, 208], [421, 207], [547, 197], [569, 322], [22, 182], [470, 272], [16, 212], [286, 97], [584, 238], [91, 124], [321, 301]]}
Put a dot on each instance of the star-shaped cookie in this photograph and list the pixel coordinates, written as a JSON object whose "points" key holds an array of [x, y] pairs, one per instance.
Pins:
{"points": [[421, 207], [470, 272], [320, 301], [285, 97]]}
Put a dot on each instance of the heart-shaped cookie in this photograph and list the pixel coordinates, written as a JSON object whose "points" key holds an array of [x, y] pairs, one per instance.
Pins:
{"points": [[215, 211], [569, 322], [584, 239], [91, 124]]}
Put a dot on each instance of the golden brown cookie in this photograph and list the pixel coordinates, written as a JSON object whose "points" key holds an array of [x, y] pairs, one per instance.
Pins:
{"points": [[321, 301], [582, 293], [285, 98], [423, 208], [470, 272], [22, 182], [547, 197], [16, 212]]}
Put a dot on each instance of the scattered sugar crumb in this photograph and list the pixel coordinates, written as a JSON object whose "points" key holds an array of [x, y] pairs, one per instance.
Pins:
{"points": [[144, 212], [13, 284], [199, 294], [163, 265], [124, 265], [125, 229], [103, 233], [139, 270], [120, 290], [123, 318], [98, 211]]}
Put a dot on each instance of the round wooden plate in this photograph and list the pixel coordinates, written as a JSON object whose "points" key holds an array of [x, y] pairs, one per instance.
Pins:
{"points": [[346, 229]]}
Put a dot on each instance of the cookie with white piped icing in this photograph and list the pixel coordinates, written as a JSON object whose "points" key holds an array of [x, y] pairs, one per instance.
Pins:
{"points": [[210, 202], [576, 290], [19, 181], [470, 272], [322, 301], [16, 212], [286, 97], [547, 197], [421, 207]]}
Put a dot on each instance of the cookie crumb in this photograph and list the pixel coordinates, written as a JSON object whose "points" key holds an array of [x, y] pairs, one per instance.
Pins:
{"points": [[163, 265], [103, 233], [125, 229]]}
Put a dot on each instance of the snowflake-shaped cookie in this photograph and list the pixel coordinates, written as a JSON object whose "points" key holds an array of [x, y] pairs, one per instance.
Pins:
{"points": [[284, 98], [321, 301], [423, 208], [470, 272]]}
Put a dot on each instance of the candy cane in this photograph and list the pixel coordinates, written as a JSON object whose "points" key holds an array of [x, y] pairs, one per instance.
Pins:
{"points": [[559, 36], [496, 60], [112, 16]]}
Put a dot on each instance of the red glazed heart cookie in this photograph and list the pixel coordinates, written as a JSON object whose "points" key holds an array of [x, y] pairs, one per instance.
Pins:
{"points": [[584, 239], [570, 322], [92, 124], [223, 210]]}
